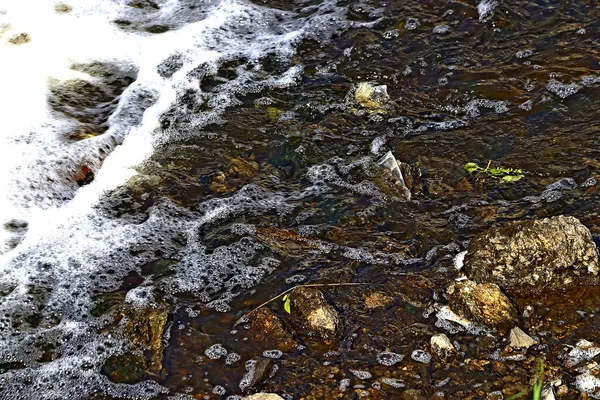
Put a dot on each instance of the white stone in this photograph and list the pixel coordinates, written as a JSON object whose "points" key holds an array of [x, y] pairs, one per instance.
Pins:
{"points": [[441, 347], [264, 396], [520, 339]]}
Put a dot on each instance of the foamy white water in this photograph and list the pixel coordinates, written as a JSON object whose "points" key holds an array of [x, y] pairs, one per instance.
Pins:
{"points": [[56, 244]]}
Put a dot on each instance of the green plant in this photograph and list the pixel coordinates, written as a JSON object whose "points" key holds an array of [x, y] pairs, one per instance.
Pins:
{"points": [[502, 173], [538, 382], [286, 303]]}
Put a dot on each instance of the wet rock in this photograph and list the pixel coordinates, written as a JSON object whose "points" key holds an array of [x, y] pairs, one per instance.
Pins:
{"points": [[125, 368], [313, 316], [377, 300], [441, 347], [526, 258], [264, 396], [521, 340], [259, 370], [583, 351], [371, 97], [268, 329], [391, 179], [483, 303], [145, 329]]}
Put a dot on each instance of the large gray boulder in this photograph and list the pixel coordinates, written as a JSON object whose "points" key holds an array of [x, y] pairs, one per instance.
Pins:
{"points": [[531, 257]]}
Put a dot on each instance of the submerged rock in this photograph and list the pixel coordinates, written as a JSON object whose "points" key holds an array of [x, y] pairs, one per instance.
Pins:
{"points": [[441, 347], [520, 339], [483, 303], [312, 315], [145, 329], [259, 370], [371, 97], [268, 329], [525, 258]]}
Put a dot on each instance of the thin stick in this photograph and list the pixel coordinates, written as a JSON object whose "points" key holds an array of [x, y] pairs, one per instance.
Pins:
{"points": [[488, 166], [239, 321]]}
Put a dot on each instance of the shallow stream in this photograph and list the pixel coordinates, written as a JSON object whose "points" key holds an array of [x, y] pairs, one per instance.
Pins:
{"points": [[200, 157]]}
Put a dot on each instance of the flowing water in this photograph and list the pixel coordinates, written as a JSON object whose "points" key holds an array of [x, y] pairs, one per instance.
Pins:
{"points": [[205, 155]]}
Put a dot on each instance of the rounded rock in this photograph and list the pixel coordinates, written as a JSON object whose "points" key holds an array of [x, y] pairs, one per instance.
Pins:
{"points": [[482, 303], [531, 257]]}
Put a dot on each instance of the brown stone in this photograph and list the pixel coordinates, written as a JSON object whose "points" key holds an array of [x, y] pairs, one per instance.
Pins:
{"points": [[482, 303], [267, 328], [531, 257]]}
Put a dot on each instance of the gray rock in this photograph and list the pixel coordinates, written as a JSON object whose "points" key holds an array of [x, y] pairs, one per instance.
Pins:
{"points": [[520, 339], [530, 257], [441, 347], [483, 303], [264, 396]]}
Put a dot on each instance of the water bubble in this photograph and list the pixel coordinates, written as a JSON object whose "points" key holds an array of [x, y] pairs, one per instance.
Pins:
{"points": [[441, 29], [524, 53], [361, 374], [421, 356], [562, 90], [393, 382], [411, 24], [388, 358], [272, 353], [215, 352], [232, 358], [219, 390]]}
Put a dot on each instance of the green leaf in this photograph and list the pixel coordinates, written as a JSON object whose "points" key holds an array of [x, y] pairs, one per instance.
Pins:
{"points": [[496, 171], [472, 167], [512, 178], [287, 304]]}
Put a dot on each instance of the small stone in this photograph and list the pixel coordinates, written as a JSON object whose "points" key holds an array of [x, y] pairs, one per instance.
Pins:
{"points": [[145, 328], [547, 393], [264, 396], [312, 315], [21, 38], [62, 8], [371, 97], [520, 339], [482, 303], [441, 347]]}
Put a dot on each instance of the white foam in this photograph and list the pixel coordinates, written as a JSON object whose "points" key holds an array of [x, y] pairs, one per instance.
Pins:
{"points": [[486, 8], [71, 241], [459, 260]]}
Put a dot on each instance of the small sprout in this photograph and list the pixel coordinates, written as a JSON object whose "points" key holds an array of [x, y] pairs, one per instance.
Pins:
{"points": [[472, 167], [286, 304], [504, 174]]}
